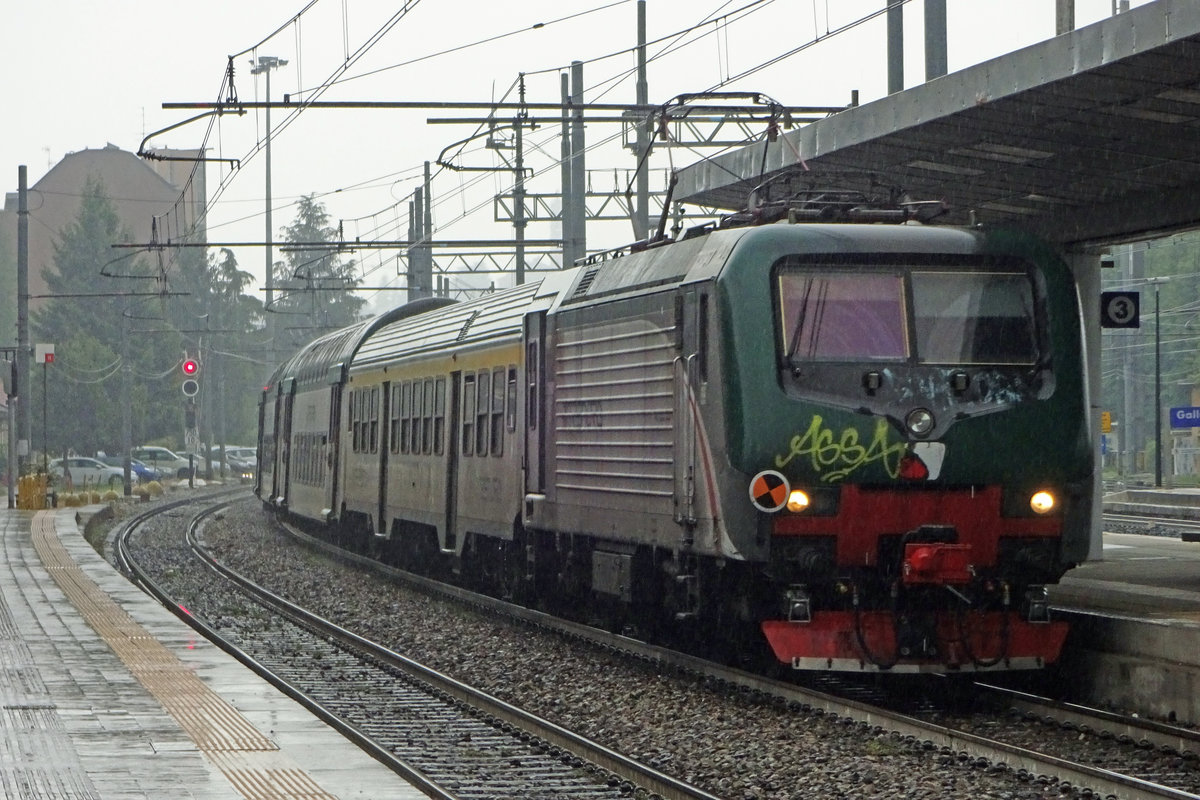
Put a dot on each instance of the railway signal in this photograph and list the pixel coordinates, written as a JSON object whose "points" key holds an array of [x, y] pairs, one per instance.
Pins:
{"points": [[191, 368]]}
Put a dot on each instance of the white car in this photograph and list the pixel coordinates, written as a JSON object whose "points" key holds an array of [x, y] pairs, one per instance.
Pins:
{"points": [[87, 472], [167, 461], [241, 459]]}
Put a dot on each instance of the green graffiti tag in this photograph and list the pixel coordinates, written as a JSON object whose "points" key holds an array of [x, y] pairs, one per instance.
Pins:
{"points": [[834, 457]]}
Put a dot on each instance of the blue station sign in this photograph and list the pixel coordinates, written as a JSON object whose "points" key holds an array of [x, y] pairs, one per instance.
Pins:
{"points": [[1185, 417]]}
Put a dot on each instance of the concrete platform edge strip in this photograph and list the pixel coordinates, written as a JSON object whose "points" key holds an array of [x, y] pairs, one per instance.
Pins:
{"points": [[250, 761]]}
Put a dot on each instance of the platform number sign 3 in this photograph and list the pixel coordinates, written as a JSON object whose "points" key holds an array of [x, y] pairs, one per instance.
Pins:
{"points": [[1119, 309]]}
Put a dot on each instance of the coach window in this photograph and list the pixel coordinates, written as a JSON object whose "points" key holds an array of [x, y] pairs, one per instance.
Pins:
{"points": [[314, 456], [427, 419], [531, 383], [405, 415], [360, 421], [511, 401], [323, 457], [374, 420], [497, 421], [356, 421], [415, 427], [468, 415], [481, 413], [394, 419], [439, 416]]}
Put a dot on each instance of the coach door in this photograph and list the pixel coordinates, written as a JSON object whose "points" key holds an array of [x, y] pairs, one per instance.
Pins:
{"points": [[453, 444], [329, 469], [283, 442], [535, 398], [689, 326], [384, 417]]}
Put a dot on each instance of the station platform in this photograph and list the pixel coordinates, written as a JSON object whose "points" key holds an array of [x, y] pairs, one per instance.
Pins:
{"points": [[1150, 577], [1177, 503], [109, 696], [1134, 613]]}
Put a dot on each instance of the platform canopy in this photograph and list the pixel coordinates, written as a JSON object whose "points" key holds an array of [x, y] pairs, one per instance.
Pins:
{"points": [[1089, 138]]}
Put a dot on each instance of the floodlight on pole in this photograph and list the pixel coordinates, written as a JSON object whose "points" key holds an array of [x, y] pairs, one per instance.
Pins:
{"points": [[264, 66], [1158, 411]]}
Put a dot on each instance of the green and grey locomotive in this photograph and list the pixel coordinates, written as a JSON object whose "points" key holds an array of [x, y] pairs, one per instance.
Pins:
{"points": [[868, 444]]}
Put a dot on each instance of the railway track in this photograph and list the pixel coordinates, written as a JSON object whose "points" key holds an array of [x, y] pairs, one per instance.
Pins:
{"points": [[1154, 755], [1186, 529], [449, 739], [1167, 767]]}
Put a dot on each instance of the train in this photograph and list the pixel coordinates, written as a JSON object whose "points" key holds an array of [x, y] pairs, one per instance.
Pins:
{"points": [[855, 444]]}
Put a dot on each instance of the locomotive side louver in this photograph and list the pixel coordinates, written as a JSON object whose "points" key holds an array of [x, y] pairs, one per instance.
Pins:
{"points": [[585, 282]]}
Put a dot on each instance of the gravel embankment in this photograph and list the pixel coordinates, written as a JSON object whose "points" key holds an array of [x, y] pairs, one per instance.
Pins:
{"points": [[732, 745]]}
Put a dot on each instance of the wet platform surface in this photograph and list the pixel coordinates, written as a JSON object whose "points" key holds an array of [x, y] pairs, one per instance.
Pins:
{"points": [[1134, 613], [108, 695], [1154, 577]]}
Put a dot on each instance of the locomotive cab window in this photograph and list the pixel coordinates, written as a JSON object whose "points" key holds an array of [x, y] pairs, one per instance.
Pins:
{"points": [[974, 318], [926, 315], [843, 316]]}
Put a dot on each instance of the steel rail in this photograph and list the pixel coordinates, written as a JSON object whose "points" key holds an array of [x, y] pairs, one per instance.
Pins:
{"points": [[1147, 731], [1103, 781], [614, 762], [1190, 526], [143, 580]]}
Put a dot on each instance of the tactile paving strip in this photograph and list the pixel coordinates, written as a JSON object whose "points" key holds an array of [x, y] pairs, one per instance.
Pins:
{"points": [[38, 762], [248, 759]]}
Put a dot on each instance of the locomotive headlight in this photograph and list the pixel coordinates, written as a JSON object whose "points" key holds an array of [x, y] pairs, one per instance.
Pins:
{"points": [[1042, 502], [798, 501], [919, 422]]}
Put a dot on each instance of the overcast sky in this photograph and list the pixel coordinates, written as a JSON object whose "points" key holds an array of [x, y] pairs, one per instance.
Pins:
{"points": [[81, 74]]}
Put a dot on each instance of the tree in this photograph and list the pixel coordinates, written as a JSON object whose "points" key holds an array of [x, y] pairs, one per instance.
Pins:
{"points": [[81, 392], [235, 353], [316, 287], [113, 350], [225, 332]]}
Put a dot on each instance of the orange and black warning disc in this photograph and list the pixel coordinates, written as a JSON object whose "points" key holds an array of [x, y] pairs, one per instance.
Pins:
{"points": [[769, 491]]}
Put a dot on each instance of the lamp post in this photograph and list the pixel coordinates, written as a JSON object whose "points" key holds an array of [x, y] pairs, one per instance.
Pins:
{"points": [[1158, 471], [264, 66]]}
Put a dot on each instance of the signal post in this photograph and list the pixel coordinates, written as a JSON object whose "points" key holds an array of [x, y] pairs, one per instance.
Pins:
{"points": [[190, 388]]}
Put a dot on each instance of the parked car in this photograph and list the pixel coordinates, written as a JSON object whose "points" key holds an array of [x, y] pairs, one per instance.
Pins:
{"points": [[198, 459], [87, 472], [168, 462], [243, 461], [145, 472]]}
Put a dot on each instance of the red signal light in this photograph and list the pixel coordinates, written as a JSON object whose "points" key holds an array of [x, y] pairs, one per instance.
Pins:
{"points": [[190, 366]]}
